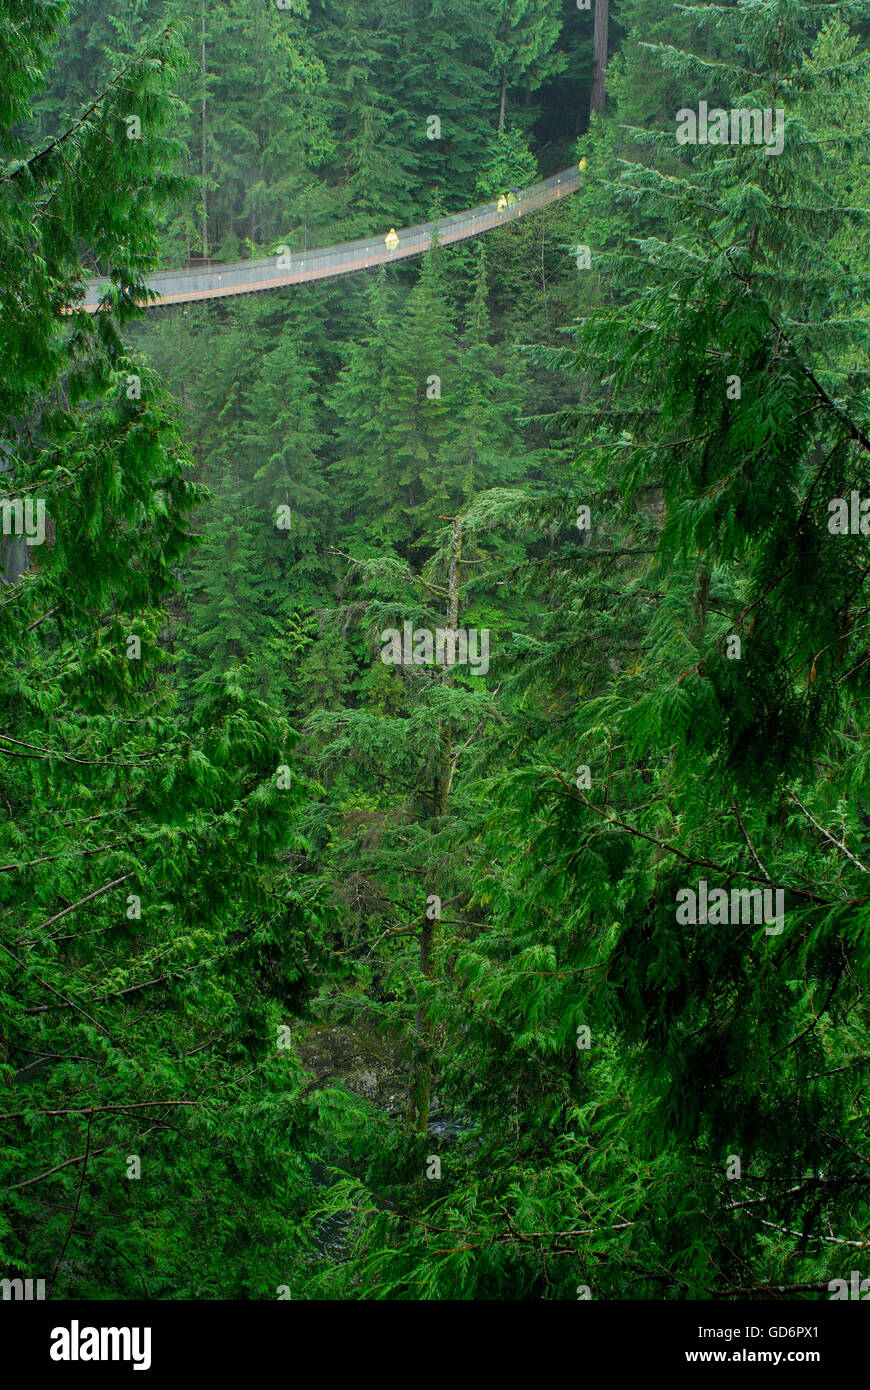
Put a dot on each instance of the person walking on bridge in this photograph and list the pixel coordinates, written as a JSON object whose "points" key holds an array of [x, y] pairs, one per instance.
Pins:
{"points": [[391, 240]]}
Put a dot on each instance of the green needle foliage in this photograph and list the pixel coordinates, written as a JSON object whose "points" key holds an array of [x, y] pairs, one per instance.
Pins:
{"points": [[293, 933], [653, 1107], [153, 934]]}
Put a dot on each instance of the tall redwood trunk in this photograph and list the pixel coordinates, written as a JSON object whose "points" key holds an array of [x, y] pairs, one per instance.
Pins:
{"points": [[602, 24]]}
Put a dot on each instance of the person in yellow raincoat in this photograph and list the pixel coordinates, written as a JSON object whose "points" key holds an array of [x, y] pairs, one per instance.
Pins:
{"points": [[501, 204], [391, 240]]}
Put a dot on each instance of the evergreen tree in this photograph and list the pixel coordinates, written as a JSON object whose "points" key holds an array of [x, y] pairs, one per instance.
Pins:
{"points": [[511, 164], [153, 938], [662, 1105], [523, 39]]}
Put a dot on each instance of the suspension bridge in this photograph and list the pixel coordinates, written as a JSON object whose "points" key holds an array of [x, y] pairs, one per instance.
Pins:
{"points": [[287, 267]]}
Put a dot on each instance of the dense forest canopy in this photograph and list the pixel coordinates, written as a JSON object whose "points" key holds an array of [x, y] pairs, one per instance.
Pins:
{"points": [[434, 749]]}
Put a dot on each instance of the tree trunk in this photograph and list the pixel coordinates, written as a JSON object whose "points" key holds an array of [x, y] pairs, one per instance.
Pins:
{"points": [[602, 22], [501, 109]]}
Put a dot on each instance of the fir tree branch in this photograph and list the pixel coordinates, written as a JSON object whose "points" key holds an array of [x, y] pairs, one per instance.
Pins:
{"points": [[689, 858], [75, 1211], [28, 1182], [83, 119], [748, 841], [63, 997], [822, 831], [104, 1109], [96, 894]]}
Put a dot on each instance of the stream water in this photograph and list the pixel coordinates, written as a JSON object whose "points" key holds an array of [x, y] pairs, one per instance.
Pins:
{"points": [[332, 1234]]}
